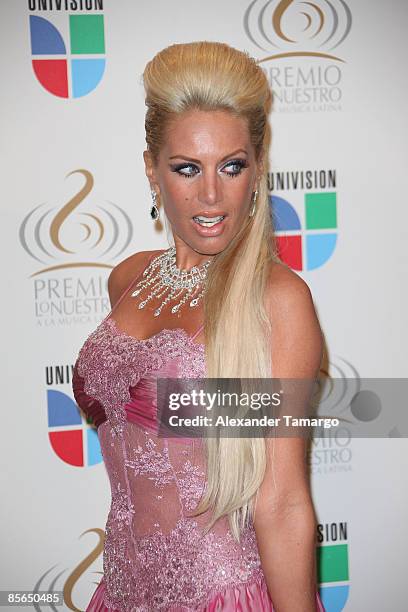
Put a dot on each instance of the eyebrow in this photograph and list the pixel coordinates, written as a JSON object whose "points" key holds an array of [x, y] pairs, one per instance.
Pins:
{"points": [[197, 161]]}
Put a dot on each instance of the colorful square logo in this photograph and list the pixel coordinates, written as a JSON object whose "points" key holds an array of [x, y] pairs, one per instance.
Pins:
{"points": [[73, 70], [308, 246]]}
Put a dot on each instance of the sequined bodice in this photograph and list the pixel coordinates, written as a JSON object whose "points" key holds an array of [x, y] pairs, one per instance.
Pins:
{"points": [[156, 556]]}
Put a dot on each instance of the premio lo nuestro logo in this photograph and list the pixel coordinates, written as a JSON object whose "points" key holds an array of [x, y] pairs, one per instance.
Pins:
{"points": [[63, 576], [74, 240], [300, 43], [78, 233], [292, 28], [331, 452], [69, 64], [305, 217]]}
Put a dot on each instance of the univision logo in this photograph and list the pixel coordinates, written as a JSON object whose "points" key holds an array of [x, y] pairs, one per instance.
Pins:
{"points": [[333, 565], [310, 246], [71, 438], [69, 68]]}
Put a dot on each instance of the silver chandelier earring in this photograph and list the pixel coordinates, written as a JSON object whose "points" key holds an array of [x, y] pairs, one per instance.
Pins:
{"points": [[253, 207], [154, 211]]}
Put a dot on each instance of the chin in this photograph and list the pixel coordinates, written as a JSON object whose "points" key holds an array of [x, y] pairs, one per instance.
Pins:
{"points": [[209, 246]]}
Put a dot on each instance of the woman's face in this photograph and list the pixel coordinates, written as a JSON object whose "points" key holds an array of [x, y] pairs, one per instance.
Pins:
{"points": [[205, 176]]}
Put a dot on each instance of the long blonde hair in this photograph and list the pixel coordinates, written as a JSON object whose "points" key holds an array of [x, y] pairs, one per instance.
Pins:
{"points": [[214, 76]]}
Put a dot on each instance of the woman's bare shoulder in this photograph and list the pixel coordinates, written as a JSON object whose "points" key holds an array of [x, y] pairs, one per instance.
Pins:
{"points": [[124, 272], [297, 335], [283, 283]]}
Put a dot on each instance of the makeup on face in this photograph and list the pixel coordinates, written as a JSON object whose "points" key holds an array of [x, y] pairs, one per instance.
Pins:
{"points": [[210, 222], [206, 175]]}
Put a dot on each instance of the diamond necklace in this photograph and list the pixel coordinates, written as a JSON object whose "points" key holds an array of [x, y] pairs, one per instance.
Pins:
{"points": [[162, 276]]}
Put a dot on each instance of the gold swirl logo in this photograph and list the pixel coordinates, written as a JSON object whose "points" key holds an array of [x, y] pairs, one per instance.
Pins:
{"points": [[52, 236], [294, 29], [51, 582]]}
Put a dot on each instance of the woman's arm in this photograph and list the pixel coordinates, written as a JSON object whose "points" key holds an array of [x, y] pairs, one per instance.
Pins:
{"points": [[284, 520]]}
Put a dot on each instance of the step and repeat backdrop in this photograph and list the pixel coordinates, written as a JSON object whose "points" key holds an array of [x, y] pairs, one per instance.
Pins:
{"points": [[75, 202]]}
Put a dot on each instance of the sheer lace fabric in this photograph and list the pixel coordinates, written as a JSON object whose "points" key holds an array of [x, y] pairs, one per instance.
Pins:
{"points": [[156, 556]]}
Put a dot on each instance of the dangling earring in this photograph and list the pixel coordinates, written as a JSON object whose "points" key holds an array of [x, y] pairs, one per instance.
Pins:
{"points": [[253, 207], [154, 211]]}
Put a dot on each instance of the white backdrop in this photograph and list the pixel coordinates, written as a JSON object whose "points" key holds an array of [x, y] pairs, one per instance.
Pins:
{"points": [[55, 490]]}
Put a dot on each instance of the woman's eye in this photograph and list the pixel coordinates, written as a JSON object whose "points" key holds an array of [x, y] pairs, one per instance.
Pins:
{"points": [[187, 170], [232, 168], [235, 167]]}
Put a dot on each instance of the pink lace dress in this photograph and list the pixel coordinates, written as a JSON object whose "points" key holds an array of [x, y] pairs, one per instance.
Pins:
{"points": [[156, 556]]}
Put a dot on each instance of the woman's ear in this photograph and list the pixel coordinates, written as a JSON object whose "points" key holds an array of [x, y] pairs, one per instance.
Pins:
{"points": [[150, 170]]}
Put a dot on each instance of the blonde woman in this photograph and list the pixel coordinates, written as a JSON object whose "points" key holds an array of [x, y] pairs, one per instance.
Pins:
{"points": [[183, 532]]}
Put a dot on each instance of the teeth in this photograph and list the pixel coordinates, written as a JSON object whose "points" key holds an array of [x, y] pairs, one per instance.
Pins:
{"points": [[208, 221]]}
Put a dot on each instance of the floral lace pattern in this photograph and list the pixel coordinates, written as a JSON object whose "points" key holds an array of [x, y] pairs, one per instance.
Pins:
{"points": [[152, 463], [111, 361], [191, 483], [181, 568], [155, 557], [148, 461], [122, 508]]}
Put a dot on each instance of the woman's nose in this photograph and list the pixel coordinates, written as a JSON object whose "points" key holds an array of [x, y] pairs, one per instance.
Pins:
{"points": [[210, 188]]}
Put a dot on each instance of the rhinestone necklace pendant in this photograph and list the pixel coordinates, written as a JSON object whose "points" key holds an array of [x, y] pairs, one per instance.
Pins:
{"points": [[163, 278]]}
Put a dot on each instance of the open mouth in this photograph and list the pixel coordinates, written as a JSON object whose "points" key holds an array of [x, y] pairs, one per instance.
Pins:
{"points": [[208, 221]]}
